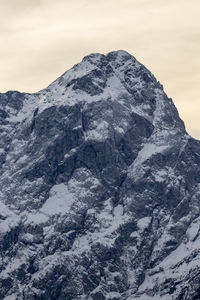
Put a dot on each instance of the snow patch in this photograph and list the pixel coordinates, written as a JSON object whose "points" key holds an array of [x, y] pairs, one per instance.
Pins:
{"points": [[11, 297], [147, 151], [8, 219], [144, 223], [193, 230], [108, 221], [160, 175], [59, 202], [100, 133], [36, 218]]}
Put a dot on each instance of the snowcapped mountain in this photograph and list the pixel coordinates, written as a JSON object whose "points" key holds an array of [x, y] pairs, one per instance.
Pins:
{"points": [[99, 189]]}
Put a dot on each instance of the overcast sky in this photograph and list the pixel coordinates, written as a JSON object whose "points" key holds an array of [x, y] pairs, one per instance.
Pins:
{"points": [[41, 39]]}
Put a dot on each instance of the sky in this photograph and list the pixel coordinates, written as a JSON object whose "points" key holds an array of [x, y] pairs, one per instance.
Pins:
{"points": [[41, 39]]}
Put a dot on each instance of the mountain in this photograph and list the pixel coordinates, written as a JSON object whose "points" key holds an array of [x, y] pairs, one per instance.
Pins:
{"points": [[99, 189]]}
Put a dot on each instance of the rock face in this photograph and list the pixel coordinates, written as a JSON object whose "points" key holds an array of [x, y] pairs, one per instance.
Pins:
{"points": [[99, 189]]}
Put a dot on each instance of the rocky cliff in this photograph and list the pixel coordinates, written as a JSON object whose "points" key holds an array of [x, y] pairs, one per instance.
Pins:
{"points": [[99, 189]]}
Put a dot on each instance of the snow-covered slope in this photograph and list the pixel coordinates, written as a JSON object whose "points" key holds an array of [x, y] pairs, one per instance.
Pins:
{"points": [[99, 188]]}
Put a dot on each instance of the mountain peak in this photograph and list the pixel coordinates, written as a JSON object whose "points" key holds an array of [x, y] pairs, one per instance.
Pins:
{"points": [[114, 77], [111, 56], [99, 188]]}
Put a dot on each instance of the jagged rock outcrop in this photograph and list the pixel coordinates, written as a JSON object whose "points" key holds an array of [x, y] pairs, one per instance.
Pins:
{"points": [[100, 188]]}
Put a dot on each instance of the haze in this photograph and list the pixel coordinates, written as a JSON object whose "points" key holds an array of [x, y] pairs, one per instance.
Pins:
{"points": [[41, 39]]}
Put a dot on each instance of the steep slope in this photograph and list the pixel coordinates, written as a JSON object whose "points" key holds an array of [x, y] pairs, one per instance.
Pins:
{"points": [[100, 188]]}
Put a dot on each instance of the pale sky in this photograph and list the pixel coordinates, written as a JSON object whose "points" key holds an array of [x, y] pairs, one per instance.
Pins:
{"points": [[41, 39]]}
